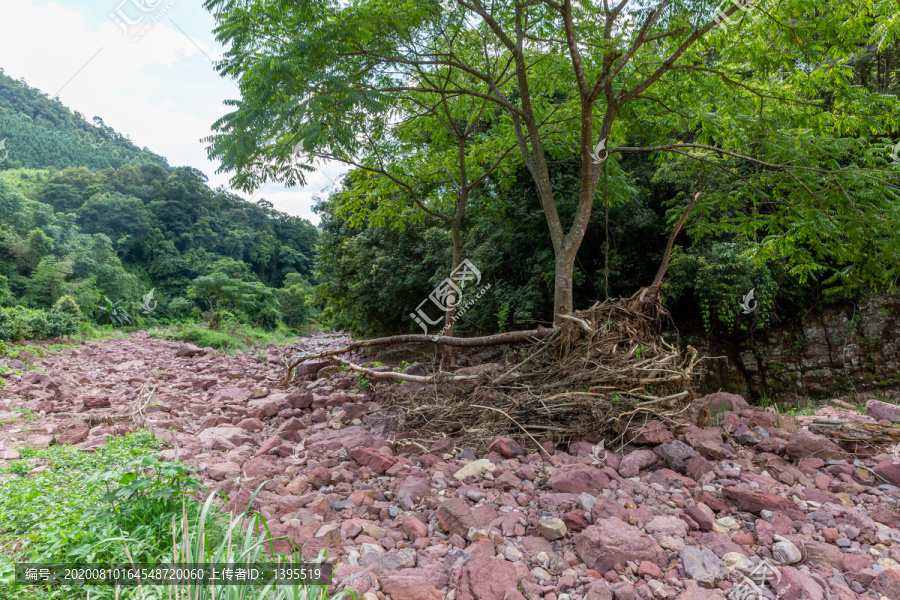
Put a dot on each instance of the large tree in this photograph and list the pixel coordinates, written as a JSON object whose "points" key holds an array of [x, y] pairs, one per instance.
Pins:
{"points": [[763, 95]]}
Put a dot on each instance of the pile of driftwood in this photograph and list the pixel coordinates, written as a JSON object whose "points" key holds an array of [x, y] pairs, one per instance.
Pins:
{"points": [[592, 376]]}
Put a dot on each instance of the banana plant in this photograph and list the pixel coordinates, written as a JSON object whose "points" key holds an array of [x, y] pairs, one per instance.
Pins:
{"points": [[114, 313]]}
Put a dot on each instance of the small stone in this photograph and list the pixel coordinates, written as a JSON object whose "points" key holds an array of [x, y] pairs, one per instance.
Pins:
{"points": [[552, 528], [787, 553], [475, 468]]}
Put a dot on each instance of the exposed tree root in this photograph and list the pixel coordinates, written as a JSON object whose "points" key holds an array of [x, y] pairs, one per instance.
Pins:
{"points": [[500, 339], [598, 374]]}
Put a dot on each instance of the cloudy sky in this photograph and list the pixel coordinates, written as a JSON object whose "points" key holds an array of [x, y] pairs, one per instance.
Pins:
{"points": [[161, 90]]}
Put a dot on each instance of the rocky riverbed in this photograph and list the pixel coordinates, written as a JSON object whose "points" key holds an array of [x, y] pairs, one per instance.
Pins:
{"points": [[755, 506]]}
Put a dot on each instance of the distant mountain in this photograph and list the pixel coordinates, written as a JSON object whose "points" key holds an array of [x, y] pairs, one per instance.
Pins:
{"points": [[38, 132]]}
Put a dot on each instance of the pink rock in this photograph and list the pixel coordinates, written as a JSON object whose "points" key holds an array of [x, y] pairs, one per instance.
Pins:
{"points": [[697, 466], [9, 454], [346, 438], [225, 470], [251, 425], [506, 447], [889, 469], [700, 517], [715, 404], [692, 591], [411, 491], [96, 402], [376, 460], [611, 542], [300, 400], [188, 350], [599, 590], [310, 368], [796, 585], [400, 587], [413, 527], [804, 443], [888, 583], [651, 433], [882, 410], [273, 442], [773, 444], [648, 569], [666, 525], [487, 579], [637, 461], [235, 435], [575, 479], [454, 517], [231, 395], [74, 436], [755, 502]]}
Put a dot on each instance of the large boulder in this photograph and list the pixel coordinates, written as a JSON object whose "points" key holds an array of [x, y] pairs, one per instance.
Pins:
{"points": [[611, 542], [804, 444], [890, 470], [311, 367], [883, 410]]}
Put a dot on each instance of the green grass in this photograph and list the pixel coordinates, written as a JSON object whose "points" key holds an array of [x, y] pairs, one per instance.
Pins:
{"points": [[120, 504], [70, 512], [230, 337]]}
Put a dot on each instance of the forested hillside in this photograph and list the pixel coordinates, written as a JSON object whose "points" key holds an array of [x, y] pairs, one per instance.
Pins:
{"points": [[39, 132], [105, 237]]}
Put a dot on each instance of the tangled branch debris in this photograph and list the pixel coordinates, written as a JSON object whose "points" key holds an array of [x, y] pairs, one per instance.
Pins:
{"points": [[599, 372]]}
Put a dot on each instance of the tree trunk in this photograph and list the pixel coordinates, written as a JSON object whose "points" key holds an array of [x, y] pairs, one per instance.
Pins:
{"points": [[563, 283], [447, 359]]}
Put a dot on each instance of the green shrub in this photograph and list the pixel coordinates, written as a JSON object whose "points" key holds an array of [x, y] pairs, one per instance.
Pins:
{"points": [[179, 307], [208, 337], [66, 304], [18, 323], [721, 277], [114, 313]]}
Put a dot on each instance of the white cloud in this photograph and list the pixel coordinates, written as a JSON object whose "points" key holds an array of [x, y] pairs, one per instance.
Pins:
{"points": [[162, 90]]}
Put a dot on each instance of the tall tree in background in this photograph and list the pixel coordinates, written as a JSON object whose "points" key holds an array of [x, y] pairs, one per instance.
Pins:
{"points": [[767, 100]]}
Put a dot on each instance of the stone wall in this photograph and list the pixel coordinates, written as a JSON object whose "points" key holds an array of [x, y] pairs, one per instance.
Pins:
{"points": [[843, 350]]}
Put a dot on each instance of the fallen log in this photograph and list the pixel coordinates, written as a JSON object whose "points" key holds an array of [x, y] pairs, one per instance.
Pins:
{"points": [[499, 339]]}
